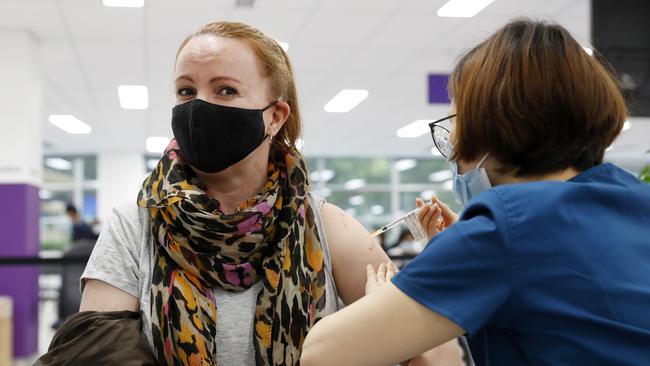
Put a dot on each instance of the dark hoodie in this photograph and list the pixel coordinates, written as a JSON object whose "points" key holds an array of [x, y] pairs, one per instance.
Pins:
{"points": [[100, 338]]}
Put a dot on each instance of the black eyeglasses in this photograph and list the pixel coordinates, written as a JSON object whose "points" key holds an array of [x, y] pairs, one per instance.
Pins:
{"points": [[440, 135]]}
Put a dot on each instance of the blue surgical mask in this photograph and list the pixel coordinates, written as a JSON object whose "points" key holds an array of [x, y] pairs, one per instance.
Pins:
{"points": [[471, 183]]}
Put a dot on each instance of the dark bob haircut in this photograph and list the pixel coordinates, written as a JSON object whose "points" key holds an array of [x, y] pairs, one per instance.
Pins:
{"points": [[532, 98]]}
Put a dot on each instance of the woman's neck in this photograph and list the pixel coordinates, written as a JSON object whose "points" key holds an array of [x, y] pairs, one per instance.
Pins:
{"points": [[236, 183]]}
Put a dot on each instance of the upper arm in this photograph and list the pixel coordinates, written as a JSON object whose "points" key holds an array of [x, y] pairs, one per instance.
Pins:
{"points": [[351, 249], [100, 296], [385, 327], [112, 272]]}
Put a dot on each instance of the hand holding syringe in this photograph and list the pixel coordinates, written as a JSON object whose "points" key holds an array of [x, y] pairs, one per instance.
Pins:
{"points": [[435, 216], [425, 221]]}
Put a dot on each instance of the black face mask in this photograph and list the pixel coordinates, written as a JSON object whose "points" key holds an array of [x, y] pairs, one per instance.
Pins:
{"points": [[213, 137]]}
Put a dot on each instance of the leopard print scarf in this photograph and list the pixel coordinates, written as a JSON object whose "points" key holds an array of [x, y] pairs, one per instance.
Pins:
{"points": [[272, 238]]}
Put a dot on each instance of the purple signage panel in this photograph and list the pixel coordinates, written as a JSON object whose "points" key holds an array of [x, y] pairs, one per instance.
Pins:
{"points": [[437, 87]]}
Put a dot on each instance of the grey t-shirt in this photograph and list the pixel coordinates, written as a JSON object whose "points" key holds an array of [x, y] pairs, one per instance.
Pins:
{"points": [[123, 257]]}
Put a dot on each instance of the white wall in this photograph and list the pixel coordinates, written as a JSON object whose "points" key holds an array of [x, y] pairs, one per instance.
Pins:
{"points": [[119, 177]]}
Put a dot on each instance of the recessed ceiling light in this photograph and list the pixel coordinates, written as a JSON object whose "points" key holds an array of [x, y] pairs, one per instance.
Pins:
{"points": [[405, 164], [440, 176], [627, 125], [377, 210], [151, 164], [157, 144], [356, 200], [326, 175], [124, 3], [44, 194], [69, 123], [322, 175], [284, 45], [345, 100], [354, 184], [133, 96], [435, 151], [58, 163], [414, 129], [462, 8]]}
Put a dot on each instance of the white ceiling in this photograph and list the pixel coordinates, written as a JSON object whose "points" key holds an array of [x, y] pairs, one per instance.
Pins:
{"points": [[385, 46]]}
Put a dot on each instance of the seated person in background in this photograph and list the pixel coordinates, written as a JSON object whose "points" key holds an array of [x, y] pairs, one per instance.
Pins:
{"points": [[80, 229], [406, 244], [548, 263]]}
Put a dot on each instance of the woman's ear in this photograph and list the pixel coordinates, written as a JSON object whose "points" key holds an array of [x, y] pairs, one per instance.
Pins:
{"points": [[281, 112]]}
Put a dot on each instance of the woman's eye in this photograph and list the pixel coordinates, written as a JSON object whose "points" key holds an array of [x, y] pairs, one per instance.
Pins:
{"points": [[227, 91], [184, 92]]}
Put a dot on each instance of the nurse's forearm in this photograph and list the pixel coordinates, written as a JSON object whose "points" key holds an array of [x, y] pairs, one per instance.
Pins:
{"points": [[383, 328]]}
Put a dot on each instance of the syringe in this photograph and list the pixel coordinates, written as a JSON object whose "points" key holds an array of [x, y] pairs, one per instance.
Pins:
{"points": [[393, 223], [413, 224]]}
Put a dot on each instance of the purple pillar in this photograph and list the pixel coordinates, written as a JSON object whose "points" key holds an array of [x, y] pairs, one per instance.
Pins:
{"points": [[20, 237], [437, 87]]}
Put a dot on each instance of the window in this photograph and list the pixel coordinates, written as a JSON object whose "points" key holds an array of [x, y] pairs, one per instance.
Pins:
{"points": [[377, 190], [67, 179]]}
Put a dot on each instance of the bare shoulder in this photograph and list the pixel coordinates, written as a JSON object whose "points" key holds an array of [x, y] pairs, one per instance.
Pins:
{"points": [[101, 296], [346, 236], [351, 249], [340, 226]]}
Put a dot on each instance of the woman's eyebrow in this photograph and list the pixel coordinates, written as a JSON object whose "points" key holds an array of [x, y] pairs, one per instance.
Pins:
{"points": [[184, 77], [216, 78], [227, 78]]}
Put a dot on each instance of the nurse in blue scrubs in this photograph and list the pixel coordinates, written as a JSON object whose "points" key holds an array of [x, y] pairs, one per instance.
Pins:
{"points": [[549, 262]]}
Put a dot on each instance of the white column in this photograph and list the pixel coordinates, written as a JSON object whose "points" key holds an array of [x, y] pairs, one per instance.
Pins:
{"points": [[21, 116], [119, 177]]}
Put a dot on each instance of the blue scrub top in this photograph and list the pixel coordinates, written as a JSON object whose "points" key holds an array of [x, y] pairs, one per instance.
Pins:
{"points": [[546, 273]]}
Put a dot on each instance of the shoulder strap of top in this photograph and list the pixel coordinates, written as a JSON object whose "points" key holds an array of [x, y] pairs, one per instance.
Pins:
{"points": [[317, 204]]}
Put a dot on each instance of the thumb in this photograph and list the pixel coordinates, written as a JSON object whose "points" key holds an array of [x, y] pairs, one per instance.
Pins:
{"points": [[419, 202]]}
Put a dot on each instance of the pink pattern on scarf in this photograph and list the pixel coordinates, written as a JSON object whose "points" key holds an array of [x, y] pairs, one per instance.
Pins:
{"points": [[171, 149], [263, 208], [249, 225], [168, 347], [248, 274], [301, 211], [231, 274], [171, 283], [210, 295]]}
